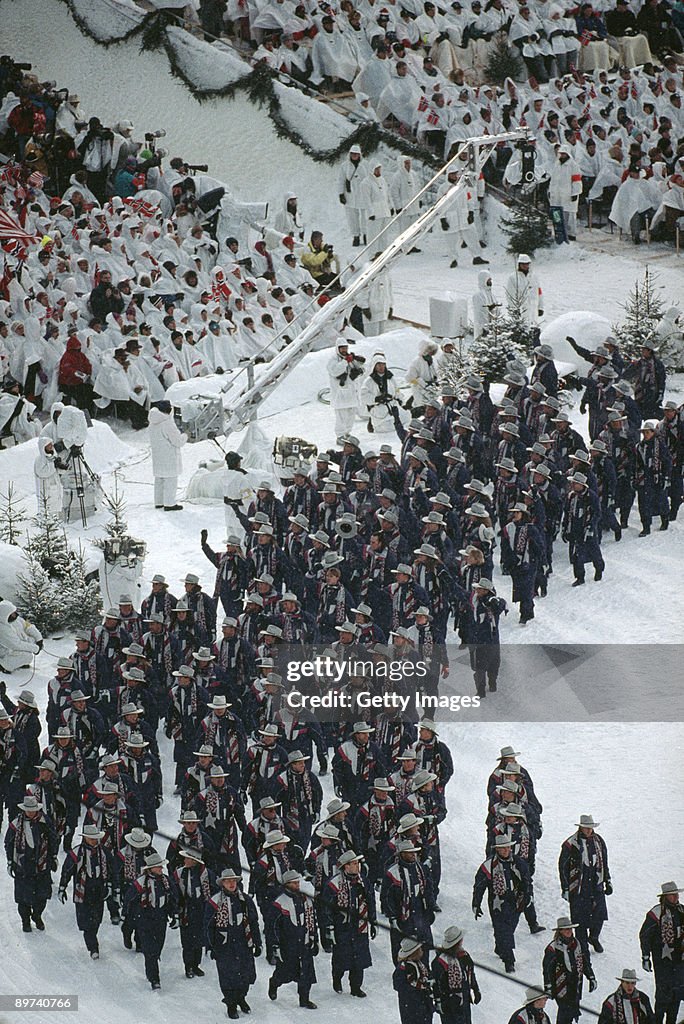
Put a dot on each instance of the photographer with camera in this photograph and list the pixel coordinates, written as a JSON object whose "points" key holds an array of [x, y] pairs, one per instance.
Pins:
{"points": [[105, 298], [95, 147], [319, 260]]}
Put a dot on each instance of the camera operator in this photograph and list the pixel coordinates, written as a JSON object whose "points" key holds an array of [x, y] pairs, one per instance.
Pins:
{"points": [[11, 76], [95, 148], [320, 261], [105, 298]]}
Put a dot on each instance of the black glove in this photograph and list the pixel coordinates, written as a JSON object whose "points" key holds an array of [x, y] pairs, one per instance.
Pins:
{"points": [[323, 765], [326, 945], [62, 895], [592, 984], [477, 911], [373, 931], [477, 996], [257, 951], [343, 199], [646, 963], [608, 888], [315, 949], [204, 536], [173, 921]]}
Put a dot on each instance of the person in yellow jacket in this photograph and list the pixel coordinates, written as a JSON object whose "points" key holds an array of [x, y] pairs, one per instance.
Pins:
{"points": [[319, 259]]}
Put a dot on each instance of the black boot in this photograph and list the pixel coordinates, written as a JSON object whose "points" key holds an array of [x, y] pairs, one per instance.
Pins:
{"points": [[199, 973], [244, 1006], [359, 993], [38, 921], [306, 1004], [645, 531], [232, 1011], [510, 966], [536, 928], [578, 583], [594, 941], [272, 989], [664, 522], [618, 533], [25, 916], [337, 983], [189, 973], [598, 575], [355, 242]]}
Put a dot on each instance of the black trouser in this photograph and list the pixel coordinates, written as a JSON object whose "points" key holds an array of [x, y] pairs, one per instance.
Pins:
{"points": [[303, 985], [192, 957], [80, 395], [355, 978], [152, 968], [31, 910], [89, 919]]}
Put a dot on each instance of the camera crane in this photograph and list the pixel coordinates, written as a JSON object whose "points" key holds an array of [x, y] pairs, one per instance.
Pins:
{"points": [[242, 395]]}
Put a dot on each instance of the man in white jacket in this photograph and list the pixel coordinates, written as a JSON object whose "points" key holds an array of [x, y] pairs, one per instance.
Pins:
{"points": [[405, 185], [352, 174], [377, 208], [344, 371], [166, 442], [565, 188], [19, 640], [523, 291]]}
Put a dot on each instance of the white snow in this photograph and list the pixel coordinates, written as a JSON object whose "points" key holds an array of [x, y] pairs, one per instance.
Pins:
{"points": [[103, 451]]}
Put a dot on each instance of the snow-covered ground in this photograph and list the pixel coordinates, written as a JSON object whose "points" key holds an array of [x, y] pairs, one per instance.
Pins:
{"points": [[624, 770]]}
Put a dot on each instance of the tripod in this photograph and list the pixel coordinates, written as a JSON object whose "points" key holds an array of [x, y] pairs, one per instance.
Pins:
{"points": [[78, 465]]}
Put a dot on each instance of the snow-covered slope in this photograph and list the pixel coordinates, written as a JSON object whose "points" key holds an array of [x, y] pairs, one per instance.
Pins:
{"points": [[234, 137]]}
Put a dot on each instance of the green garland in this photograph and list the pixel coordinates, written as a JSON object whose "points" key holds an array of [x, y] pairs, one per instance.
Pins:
{"points": [[86, 30], [258, 85]]}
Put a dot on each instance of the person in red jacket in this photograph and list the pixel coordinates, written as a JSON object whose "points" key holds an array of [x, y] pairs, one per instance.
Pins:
{"points": [[74, 375], [21, 120]]}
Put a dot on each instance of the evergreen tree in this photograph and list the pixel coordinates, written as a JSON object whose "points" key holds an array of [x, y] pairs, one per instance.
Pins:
{"points": [[116, 526], [644, 311], [527, 227], [12, 515], [49, 543], [504, 62], [82, 601], [39, 598], [496, 346]]}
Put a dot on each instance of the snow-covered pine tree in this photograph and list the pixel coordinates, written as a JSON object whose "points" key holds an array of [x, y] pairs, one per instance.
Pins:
{"points": [[496, 346], [39, 598], [82, 601], [527, 227], [453, 366], [644, 312], [504, 62], [12, 515], [48, 542], [117, 526]]}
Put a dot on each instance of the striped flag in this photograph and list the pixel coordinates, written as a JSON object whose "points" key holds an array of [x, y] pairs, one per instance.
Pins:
{"points": [[10, 228]]}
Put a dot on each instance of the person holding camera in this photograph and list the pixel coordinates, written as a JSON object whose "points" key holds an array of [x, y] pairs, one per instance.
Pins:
{"points": [[105, 298], [95, 148], [319, 260]]}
